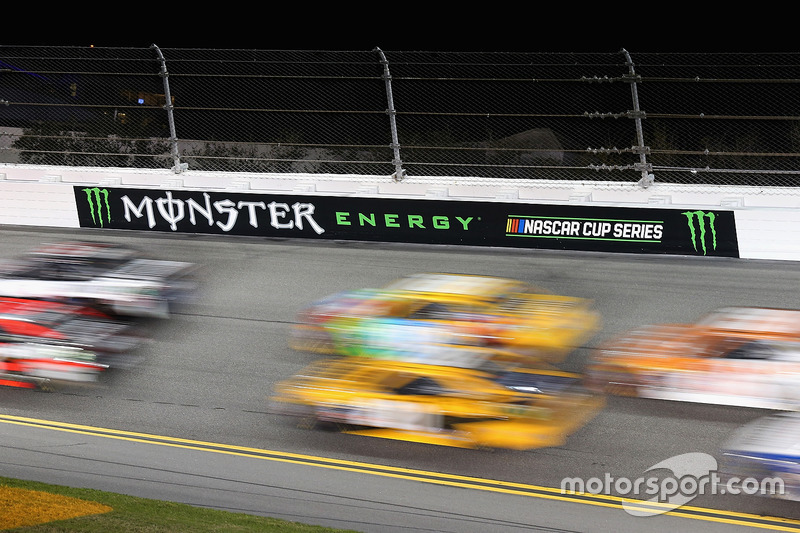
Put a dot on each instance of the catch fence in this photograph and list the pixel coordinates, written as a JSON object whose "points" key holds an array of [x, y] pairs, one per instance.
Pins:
{"points": [[687, 118]]}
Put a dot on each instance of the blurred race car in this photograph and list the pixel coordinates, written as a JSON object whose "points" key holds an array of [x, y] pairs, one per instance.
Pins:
{"points": [[453, 309], [39, 322], [441, 405], [745, 356], [36, 365], [767, 450], [113, 277], [38, 348]]}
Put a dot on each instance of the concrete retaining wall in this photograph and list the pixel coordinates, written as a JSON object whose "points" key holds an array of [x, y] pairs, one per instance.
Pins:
{"points": [[767, 219]]}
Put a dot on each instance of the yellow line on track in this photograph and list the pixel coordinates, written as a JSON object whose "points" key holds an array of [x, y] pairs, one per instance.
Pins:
{"points": [[507, 487]]}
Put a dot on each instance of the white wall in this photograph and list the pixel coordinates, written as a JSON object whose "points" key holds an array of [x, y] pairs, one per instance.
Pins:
{"points": [[767, 219], [38, 204], [768, 233]]}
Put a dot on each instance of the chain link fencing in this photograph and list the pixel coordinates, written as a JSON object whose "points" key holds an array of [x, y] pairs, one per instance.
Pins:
{"points": [[686, 118]]}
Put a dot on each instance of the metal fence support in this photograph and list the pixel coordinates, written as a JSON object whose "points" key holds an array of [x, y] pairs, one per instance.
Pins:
{"points": [[173, 138], [399, 173], [641, 149], [712, 118]]}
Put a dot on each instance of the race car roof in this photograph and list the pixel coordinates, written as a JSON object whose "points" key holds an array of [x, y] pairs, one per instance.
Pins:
{"points": [[768, 436], [457, 284], [85, 250], [153, 269], [754, 320]]}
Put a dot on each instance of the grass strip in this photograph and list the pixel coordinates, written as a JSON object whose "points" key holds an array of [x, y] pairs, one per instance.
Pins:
{"points": [[32, 507]]}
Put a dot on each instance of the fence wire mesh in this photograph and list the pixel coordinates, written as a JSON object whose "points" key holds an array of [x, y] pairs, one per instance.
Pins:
{"points": [[704, 118]]}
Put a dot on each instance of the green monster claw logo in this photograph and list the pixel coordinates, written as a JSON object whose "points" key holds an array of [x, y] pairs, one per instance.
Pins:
{"points": [[98, 199], [702, 216]]}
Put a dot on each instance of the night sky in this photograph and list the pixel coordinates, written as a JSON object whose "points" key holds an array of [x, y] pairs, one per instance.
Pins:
{"points": [[668, 27]]}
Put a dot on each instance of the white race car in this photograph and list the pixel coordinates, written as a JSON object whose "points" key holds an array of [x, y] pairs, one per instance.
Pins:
{"points": [[768, 450], [110, 276], [35, 365]]}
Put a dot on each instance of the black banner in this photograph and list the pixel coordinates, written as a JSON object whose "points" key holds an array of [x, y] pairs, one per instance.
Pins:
{"points": [[474, 223]]}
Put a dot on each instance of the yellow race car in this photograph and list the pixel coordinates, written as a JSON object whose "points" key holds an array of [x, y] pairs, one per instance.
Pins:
{"points": [[442, 405], [416, 312]]}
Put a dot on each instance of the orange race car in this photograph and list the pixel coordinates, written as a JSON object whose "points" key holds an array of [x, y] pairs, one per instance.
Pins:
{"points": [[746, 356]]}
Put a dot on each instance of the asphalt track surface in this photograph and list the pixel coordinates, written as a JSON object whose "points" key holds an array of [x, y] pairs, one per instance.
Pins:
{"points": [[191, 422]]}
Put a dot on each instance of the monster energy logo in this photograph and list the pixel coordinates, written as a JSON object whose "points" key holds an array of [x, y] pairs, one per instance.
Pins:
{"points": [[701, 217], [98, 200]]}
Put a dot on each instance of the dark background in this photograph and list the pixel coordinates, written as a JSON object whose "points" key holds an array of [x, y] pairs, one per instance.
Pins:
{"points": [[537, 27]]}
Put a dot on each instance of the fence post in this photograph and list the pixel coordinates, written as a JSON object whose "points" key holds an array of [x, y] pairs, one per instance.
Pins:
{"points": [[173, 138], [641, 149], [399, 173]]}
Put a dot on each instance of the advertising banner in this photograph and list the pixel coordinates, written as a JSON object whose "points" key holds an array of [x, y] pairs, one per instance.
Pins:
{"points": [[422, 221]]}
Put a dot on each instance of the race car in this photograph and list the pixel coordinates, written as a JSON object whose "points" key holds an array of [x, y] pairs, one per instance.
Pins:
{"points": [[453, 309], [36, 365], [113, 277], [744, 356], [441, 405], [766, 450], [40, 322]]}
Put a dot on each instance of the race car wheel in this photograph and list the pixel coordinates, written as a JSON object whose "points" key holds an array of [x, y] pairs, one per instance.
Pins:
{"points": [[330, 427], [308, 340], [622, 389], [313, 423], [611, 380], [45, 386], [307, 422]]}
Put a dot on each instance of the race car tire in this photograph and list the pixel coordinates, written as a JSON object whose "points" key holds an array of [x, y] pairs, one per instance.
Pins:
{"points": [[611, 381], [628, 390], [45, 385], [307, 340]]}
